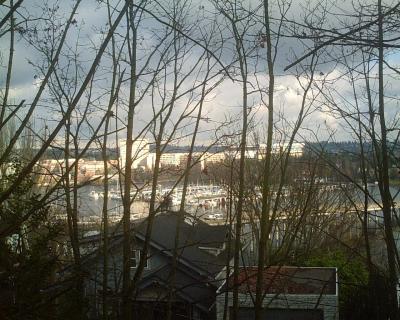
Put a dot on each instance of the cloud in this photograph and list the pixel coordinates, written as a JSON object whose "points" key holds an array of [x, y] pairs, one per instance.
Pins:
{"points": [[225, 101]]}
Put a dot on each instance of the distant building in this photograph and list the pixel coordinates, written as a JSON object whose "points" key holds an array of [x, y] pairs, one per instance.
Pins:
{"points": [[51, 170], [140, 152], [172, 159], [90, 168], [212, 158], [175, 159], [143, 153], [250, 153], [296, 150]]}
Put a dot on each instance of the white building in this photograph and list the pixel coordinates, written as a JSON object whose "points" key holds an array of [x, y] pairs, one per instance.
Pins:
{"points": [[140, 152], [297, 149], [167, 159]]}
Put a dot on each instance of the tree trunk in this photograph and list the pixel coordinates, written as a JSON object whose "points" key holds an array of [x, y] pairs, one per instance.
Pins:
{"points": [[126, 270], [384, 184], [266, 186]]}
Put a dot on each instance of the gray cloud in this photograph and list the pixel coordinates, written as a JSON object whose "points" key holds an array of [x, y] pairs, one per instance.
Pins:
{"points": [[226, 100]]}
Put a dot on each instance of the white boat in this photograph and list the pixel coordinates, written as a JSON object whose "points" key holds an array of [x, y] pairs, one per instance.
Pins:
{"points": [[114, 195], [176, 200]]}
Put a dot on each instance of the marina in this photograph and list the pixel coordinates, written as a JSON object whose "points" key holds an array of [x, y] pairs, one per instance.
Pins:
{"points": [[208, 202], [204, 201]]}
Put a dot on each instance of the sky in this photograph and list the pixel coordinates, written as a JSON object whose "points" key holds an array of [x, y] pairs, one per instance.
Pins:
{"points": [[223, 105]]}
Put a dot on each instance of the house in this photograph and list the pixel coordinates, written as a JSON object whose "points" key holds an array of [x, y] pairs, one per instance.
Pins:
{"points": [[202, 257], [307, 293]]}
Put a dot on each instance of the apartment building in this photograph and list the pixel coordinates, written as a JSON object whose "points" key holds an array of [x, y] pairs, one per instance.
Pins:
{"points": [[140, 152]]}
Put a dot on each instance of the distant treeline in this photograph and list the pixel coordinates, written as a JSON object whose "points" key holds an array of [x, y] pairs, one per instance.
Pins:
{"points": [[343, 147]]}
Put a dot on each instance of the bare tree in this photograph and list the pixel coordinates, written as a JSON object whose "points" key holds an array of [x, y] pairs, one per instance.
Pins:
{"points": [[365, 120]]}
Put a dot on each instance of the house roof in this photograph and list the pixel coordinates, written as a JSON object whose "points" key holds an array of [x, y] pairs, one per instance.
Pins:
{"points": [[199, 244], [287, 280]]}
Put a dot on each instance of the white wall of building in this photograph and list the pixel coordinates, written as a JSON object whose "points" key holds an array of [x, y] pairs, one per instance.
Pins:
{"points": [[140, 152]]}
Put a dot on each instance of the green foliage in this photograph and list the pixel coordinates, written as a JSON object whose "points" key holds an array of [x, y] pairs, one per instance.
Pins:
{"points": [[28, 250], [23, 199], [353, 278]]}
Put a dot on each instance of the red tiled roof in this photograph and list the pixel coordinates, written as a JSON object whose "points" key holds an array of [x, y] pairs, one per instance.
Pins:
{"points": [[288, 280]]}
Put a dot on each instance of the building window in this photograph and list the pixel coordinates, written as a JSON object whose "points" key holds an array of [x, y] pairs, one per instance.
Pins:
{"points": [[136, 255]]}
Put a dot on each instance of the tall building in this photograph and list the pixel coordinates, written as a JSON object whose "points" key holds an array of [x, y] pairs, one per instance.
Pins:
{"points": [[140, 152]]}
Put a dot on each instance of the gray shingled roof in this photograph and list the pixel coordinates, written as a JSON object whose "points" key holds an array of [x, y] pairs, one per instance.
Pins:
{"points": [[193, 240], [196, 242]]}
